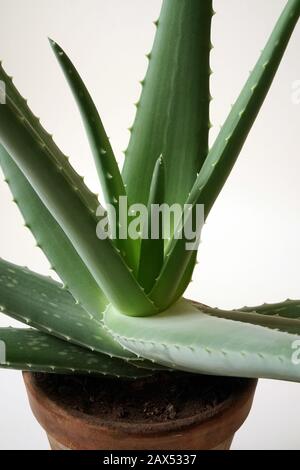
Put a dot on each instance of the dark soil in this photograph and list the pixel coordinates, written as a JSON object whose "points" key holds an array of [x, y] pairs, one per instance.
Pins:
{"points": [[161, 398]]}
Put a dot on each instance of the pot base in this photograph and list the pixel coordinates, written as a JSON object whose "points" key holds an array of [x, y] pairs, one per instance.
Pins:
{"points": [[57, 446]]}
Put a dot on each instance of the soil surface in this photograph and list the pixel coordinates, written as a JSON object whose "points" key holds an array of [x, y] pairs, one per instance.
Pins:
{"points": [[163, 397]]}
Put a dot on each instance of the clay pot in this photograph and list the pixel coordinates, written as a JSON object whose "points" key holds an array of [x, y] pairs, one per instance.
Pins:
{"points": [[73, 430]]}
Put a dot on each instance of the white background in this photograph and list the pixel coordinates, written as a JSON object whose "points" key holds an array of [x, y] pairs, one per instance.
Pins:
{"points": [[250, 252]]}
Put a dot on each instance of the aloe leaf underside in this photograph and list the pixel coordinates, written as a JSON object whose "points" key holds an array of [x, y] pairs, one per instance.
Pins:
{"points": [[209, 341], [44, 304], [35, 351]]}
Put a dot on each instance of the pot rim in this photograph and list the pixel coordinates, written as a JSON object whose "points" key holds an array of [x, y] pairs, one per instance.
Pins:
{"points": [[237, 398]]}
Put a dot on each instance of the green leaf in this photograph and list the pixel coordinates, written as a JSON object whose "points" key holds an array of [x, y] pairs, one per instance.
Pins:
{"points": [[31, 350], [190, 339], [226, 149], [234, 132], [187, 276], [42, 303], [90, 200], [52, 184], [173, 113], [53, 240], [269, 320], [288, 309], [106, 164], [152, 249]]}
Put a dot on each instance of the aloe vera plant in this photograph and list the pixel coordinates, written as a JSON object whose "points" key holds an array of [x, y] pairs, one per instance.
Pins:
{"points": [[119, 308]]}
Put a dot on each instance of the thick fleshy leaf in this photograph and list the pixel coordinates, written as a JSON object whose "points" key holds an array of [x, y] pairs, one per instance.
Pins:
{"points": [[186, 338], [173, 112], [226, 149], [53, 241], [43, 303], [52, 184], [287, 309], [32, 350], [90, 200], [272, 321], [152, 245], [106, 164]]}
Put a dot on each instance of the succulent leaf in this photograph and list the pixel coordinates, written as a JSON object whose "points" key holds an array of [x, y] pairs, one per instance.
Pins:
{"points": [[34, 351], [89, 199], [226, 149], [61, 198], [273, 321], [106, 164], [234, 132], [288, 309], [152, 249], [186, 338], [44, 304], [53, 240], [173, 112], [187, 276]]}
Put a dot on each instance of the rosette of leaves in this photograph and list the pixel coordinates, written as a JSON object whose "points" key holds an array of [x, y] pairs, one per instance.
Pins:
{"points": [[119, 308]]}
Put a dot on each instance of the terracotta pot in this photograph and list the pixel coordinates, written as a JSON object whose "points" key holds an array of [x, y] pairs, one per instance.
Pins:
{"points": [[69, 429]]}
